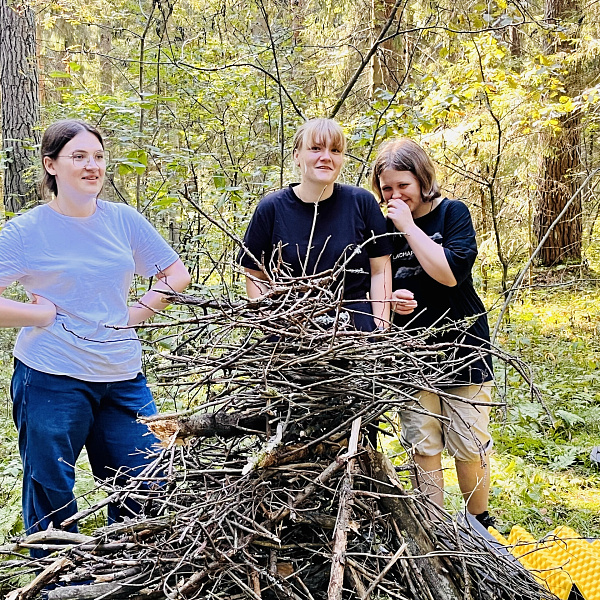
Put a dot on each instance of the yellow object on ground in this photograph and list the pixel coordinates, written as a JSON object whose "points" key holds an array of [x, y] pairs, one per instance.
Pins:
{"points": [[560, 560], [535, 557]]}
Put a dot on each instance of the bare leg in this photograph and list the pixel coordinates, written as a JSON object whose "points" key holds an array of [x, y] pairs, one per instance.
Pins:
{"points": [[474, 483], [429, 477]]}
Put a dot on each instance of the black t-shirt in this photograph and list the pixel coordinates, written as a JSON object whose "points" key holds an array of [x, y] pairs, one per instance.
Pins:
{"points": [[455, 314], [342, 223]]}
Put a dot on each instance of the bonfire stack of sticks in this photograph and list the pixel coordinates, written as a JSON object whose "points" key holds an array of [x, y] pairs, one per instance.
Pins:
{"points": [[274, 484]]}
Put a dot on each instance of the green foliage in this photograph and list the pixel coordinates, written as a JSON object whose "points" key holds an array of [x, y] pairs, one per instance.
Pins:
{"points": [[550, 480], [541, 499], [10, 464], [10, 477]]}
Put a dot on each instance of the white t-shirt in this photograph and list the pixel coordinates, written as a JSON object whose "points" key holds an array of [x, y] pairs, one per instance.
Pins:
{"points": [[85, 266]]}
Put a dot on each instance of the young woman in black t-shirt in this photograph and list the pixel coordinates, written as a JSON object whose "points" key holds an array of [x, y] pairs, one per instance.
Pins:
{"points": [[338, 221], [433, 288]]}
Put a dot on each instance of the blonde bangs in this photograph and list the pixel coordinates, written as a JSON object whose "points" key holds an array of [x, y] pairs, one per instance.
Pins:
{"points": [[323, 132]]}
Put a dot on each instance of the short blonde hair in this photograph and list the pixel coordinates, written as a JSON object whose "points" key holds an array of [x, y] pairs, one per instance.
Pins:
{"points": [[406, 155], [322, 131]]}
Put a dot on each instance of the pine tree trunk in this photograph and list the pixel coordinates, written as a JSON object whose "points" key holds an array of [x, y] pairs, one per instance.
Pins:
{"points": [[106, 79], [559, 183], [561, 161], [386, 63], [20, 103]]}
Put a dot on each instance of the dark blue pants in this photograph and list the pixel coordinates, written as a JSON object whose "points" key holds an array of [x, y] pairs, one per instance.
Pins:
{"points": [[57, 416]]}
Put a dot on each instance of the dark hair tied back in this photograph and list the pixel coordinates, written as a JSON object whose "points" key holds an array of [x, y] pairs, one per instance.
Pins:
{"points": [[54, 140]]}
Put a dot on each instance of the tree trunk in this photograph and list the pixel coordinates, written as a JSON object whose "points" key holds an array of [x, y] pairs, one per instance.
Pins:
{"points": [[386, 63], [105, 46], [514, 41], [561, 162], [297, 9], [559, 182], [20, 103]]}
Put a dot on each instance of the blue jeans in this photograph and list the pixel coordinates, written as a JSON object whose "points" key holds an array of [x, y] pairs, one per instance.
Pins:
{"points": [[56, 416]]}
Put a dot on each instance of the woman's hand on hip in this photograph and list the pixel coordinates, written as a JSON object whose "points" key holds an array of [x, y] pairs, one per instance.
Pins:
{"points": [[47, 314], [403, 302], [40, 312]]}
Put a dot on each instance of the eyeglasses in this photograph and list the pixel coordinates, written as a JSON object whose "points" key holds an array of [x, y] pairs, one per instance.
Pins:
{"points": [[82, 159]]}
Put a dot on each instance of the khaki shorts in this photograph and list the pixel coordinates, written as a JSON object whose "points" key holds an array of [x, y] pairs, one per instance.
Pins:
{"points": [[462, 428]]}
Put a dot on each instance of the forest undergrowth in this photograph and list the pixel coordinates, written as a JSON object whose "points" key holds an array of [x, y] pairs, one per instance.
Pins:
{"points": [[542, 474]]}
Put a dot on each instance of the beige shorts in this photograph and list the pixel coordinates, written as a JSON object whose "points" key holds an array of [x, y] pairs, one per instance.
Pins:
{"points": [[462, 427]]}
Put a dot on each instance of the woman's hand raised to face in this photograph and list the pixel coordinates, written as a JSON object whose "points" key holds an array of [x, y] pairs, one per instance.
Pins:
{"points": [[400, 215], [403, 302]]}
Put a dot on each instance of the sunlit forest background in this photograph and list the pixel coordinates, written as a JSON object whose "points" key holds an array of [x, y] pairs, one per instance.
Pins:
{"points": [[199, 99]]}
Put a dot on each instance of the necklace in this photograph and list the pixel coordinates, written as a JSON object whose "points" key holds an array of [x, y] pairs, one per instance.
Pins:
{"points": [[299, 195], [55, 205]]}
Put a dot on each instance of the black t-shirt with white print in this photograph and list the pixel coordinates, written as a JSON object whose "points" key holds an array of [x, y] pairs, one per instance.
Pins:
{"points": [[454, 314]]}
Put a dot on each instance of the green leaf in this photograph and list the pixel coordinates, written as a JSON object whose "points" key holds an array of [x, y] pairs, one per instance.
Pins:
{"points": [[570, 419], [220, 181]]}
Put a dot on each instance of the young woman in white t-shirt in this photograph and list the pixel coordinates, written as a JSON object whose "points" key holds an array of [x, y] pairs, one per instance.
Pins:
{"points": [[77, 380]]}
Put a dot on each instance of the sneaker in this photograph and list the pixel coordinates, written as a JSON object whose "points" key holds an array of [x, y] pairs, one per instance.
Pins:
{"points": [[486, 519]]}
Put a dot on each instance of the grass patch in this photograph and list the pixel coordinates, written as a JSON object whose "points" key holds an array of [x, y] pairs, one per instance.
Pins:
{"points": [[542, 475]]}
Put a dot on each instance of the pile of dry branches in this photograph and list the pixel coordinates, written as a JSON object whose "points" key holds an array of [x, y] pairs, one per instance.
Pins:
{"points": [[270, 487]]}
